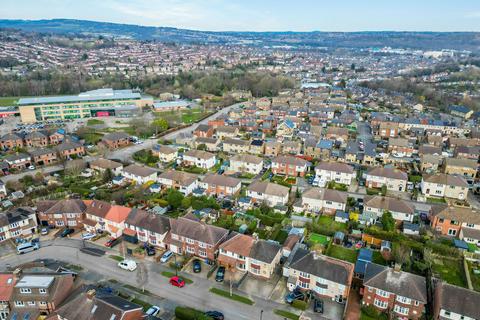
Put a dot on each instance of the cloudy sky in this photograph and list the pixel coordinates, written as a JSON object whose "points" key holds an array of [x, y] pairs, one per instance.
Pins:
{"points": [[261, 15]]}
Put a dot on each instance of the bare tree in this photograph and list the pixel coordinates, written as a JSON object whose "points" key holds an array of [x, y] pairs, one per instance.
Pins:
{"points": [[142, 275]]}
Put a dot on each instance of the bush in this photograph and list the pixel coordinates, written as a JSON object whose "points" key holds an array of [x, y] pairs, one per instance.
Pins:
{"points": [[185, 313], [299, 304]]}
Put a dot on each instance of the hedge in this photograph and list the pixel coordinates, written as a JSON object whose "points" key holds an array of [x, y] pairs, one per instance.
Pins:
{"points": [[299, 304], [186, 313]]}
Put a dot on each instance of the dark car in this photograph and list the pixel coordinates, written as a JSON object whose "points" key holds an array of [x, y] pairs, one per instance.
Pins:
{"points": [[197, 266], [318, 306], [294, 295], [220, 274], [112, 242], [66, 232], [150, 250], [215, 315]]}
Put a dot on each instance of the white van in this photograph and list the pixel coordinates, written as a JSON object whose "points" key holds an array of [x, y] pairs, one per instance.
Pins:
{"points": [[129, 265], [27, 247]]}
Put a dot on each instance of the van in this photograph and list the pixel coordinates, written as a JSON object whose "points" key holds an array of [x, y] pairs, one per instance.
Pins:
{"points": [[27, 247]]}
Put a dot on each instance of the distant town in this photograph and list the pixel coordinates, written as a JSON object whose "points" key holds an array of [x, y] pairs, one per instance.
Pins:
{"points": [[156, 180]]}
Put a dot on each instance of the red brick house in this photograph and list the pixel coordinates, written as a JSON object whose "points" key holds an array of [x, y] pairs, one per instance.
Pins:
{"points": [[289, 166], [68, 212]]}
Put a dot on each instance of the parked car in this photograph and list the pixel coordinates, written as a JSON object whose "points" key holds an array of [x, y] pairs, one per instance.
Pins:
{"points": [[112, 242], [153, 311], [88, 236], [318, 306], [177, 282], [220, 274], [129, 265], [66, 232], [166, 256], [215, 315], [150, 250], [44, 231], [294, 295], [197, 266]]}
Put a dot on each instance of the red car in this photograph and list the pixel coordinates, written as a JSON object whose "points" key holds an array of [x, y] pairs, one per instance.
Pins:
{"points": [[112, 242], [177, 282]]}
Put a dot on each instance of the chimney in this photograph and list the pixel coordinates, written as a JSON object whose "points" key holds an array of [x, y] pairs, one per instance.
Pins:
{"points": [[397, 267], [17, 273], [90, 294]]}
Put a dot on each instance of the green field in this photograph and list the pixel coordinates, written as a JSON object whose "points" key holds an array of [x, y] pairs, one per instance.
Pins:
{"points": [[8, 101]]}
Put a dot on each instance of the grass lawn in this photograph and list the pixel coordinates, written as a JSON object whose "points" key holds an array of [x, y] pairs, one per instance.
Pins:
{"points": [[378, 258], [92, 122], [329, 222], [337, 186], [342, 253], [266, 174], [286, 314], [474, 277], [319, 239], [8, 101], [92, 137], [414, 178], [234, 297], [144, 304], [139, 290], [189, 116], [170, 274], [117, 258], [449, 270], [436, 200]]}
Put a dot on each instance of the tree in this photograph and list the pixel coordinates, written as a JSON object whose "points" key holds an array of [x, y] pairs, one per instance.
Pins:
{"points": [[428, 257], [142, 275], [388, 222], [401, 254], [107, 175], [160, 124], [174, 198]]}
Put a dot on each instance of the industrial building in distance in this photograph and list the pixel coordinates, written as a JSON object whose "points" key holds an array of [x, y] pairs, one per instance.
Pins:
{"points": [[95, 103]]}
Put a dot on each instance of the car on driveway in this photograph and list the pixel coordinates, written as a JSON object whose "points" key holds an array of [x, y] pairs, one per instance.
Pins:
{"points": [[129, 265], [88, 236], [294, 295], [44, 231], [318, 306], [153, 311], [197, 266], [112, 242], [177, 282], [66, 232], [215, 315], [220, 274], [166, 256], [150, 250]]}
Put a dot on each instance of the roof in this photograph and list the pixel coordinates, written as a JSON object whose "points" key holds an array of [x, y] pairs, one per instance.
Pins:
{"points": [[269, 188], [149, 221], [114, 136], [247, 158], [458, 300], [239, 243], [291, 160], [98, 208], [118, 214], [335, 166], [165, 149], [197, 230], [322, 266], [105, 164], [388, 204], [221, 180], [390, 173], [398, 282], [15, 215], [32, 281], [460, 162], [461, 214], [265, 251], [61, 206], [140, 171], [238, 142], [181, 177], [326, 194], [446, 179], [7, 281], [199, 154], [94, 95]]}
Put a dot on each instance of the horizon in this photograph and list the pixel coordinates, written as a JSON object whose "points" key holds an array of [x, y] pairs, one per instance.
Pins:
{"points": [[266, 16]]}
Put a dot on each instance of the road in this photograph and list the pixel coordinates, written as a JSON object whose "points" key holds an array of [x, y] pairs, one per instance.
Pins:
{"points": [[45, 170], [194, 295]]}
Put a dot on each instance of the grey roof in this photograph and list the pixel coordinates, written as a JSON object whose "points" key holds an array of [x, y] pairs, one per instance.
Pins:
{"points": [[390, 204], [390, 173], [94, 95], [446, 179], [269, 188], [220, 180], [335, 166], [400, 283], [148, 221], [322, 266], [248, 158], [137, 170], [459, 300], [32, 281], [326, 194], [197, 230], [114, 136], [265, 251], [181, 177]]}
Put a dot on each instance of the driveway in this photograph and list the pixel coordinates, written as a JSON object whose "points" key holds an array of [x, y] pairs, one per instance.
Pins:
{"points": [[188, 268], [258, 287]]}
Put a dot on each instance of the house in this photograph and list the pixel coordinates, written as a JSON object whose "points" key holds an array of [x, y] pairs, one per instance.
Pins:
{"points": [[428, 149], [430, 162], [88, 305], [289, 166], [257, 146], [3, 190], [264, 257], [233, 252], [376, 206], [272, 148], [334, 171], [444, 185], [360, 151], [320, 200], [43, 156], [182, 181], [115, 140], [388, 130], [286, 129], [231, 145], [147, 227], [448, 220], [223, 132], [452, 302], [326, 277], [17, 223], [246, 163], [203, 131], [100, 215], [460, 111], [218, 185], [39, 293], [400, 147], [393, 179], [337, 134], [166, 154], [7, 282], [18, 161], [462, 167], [192, 237], [37, 139], [69, 149], [102, 165], [62, 213], [467, 152], [139, 174], [211, 144], [402, 294], [10, 141], [291, 147], [199, 158], [269, 193]]}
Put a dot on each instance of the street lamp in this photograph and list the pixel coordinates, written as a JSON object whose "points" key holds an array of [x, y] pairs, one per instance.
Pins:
{"points": [[261, 314]]}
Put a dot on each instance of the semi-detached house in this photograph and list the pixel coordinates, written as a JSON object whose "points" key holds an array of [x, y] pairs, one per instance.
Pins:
{"points": [[376, 206], [147, 227], [320, 200], [199, 158], [269, 193], [182, 181], [289, 166], [219, 185], [393, 179], [444, 185], [246, 163], [139, 174], [17, 223], [334, 171]]}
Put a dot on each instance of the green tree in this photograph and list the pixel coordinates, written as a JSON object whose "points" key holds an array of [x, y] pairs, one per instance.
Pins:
{"points": [[107, 175], [174, 198], [388, 222], [160, 124]]}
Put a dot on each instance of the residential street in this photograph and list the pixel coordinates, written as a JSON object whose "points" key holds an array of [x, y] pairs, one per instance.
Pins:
{"points": [[195, 295]]}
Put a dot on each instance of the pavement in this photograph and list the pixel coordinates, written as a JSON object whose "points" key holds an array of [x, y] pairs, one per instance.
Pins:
{"points": [[195, 295]]}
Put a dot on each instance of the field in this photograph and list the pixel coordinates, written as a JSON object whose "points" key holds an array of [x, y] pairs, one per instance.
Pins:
{"points": [[182, 117], [8, 101]]}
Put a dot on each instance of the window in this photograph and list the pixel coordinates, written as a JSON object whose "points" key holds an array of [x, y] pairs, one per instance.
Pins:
{"points": [[470, 225], [305, 275], [19, 304], [202, 252], [304, 285], [417, 303], [401, 310], [191, 241], [25, 290], [382, 293], [380, 304], [42, 303], [404, 300], [190, 250], [43, 291], [31, 303]]}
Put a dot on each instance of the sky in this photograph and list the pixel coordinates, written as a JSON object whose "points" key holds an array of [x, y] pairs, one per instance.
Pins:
{"points": [[261, 15]]}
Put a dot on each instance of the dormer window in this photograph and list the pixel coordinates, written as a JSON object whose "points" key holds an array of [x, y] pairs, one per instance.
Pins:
{"points": [[25, 290], [42, 290]]}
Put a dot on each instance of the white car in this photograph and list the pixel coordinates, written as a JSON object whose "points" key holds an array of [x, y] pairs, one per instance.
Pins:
{"points": [[129, 265], [88, 236], [153, 311], [166, 256], [31, 167]]}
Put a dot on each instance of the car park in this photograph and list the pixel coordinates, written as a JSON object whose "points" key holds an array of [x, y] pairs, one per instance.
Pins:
{"points": [[177, 282], [66, 232], [153, 311], [219, 277], [197, 266], [129, 265], [215, 315]]}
